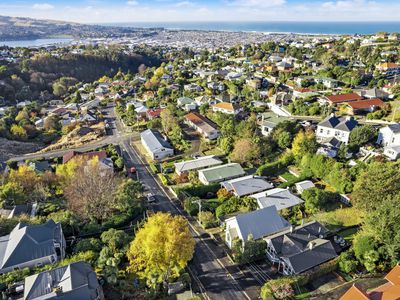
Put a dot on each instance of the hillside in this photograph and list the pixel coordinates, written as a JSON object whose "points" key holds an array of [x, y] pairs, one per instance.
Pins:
{"points": [[16, 28]]}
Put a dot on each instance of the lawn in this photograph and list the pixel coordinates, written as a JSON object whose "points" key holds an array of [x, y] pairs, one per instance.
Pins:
{"points": [[214, 151], [341, 217], [395, 110], [287, 176], [348, 234]]}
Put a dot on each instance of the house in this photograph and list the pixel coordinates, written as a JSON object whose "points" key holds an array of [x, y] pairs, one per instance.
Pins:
{"points": [[192, 87], [247, 185], [269, 121], [156, 146], [304, 185], [18, 210], [364, 106], [278, 197], [335, 127], [196, 164], [281, 98], [257, 224], [202, 125], [153, 113], [226, 108], [327, 82], [254, 83], [388, 67], [389, 138], [389, 290], [40, 166], [87, 156], [73, 281], [300, 248], [344, 98], [375, 93], [187, 103], [220, 173], [284, 66], [29, 246]]}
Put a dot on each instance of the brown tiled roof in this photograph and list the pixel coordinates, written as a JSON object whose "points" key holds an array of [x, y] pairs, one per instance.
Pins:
{"points": [[394, 275], [355, 293], [344, 98], [366, 103], [224, 105]]}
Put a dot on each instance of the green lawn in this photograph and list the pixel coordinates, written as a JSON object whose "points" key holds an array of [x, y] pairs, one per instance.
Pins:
{"points": [[214, 151], [341, 217], [348, 234], [288, 176]]}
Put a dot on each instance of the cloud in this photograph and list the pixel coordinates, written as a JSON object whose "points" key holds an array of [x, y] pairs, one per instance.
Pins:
{"points": [[258, 3], [43, 6], [184, 4], [132, 3]]}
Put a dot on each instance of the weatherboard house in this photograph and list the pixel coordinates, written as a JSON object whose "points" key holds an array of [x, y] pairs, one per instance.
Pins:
{"points": [[29, 246], [156, 146]]}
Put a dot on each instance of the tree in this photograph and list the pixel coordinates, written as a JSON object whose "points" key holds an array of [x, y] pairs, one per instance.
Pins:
{"points": [[90, 194], [377, 181], [361, 135], [245, 151], [161, 248], [25, 177], [127, 195], [304, 143], [11, 193], [19, 132]]}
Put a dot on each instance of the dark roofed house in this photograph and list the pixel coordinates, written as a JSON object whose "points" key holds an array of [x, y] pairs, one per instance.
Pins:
{"points": [[299, 249], [259, 224], [28, 246], [40, 166], [71, 282], [335, 127]]}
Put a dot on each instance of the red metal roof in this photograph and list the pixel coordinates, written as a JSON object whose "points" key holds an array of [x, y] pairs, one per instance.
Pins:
{"points": [[364, 104], [344, 98]]}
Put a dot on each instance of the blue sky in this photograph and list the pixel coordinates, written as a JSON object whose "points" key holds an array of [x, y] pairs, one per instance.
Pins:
{"points": [[107, 11]]}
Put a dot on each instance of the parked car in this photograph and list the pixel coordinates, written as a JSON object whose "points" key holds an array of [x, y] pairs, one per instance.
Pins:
{"points": [[151, 198]]}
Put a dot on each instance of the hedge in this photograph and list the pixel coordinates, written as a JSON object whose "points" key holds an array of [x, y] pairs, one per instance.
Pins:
{"points": [[163, 179], [153, 168], [200, 191], [271, 169], [293, 181]]}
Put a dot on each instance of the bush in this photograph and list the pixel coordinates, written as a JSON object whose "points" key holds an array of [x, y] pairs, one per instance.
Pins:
{"points": [[207, 219], [90, 244], [252, 250], [163, 179], [266, 292], [317, 199], [153, 168], [190, 207], [201, 191]]}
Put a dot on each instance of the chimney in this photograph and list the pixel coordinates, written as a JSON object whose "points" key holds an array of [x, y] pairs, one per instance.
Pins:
{"points": [[310, 245], [349, 118], [291, 228], [332, 115]]}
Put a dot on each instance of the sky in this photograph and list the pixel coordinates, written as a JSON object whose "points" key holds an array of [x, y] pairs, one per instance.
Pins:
{"points": [[112, 11]]}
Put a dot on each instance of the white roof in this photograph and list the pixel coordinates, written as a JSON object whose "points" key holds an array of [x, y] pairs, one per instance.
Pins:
{"points": [[280, 198], [304, 185], [246, 185], [198, 163]]}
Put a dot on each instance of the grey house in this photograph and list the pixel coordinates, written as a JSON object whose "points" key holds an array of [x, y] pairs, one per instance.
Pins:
{"points": [[299, 249], [28, 246], [156, 146], [71, 282]]}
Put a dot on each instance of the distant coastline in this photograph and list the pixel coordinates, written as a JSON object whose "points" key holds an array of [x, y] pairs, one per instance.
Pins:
{"points": [[289, 27]]}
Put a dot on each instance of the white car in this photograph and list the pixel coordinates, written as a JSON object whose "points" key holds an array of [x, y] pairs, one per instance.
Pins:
{"points": [[151, 198]]}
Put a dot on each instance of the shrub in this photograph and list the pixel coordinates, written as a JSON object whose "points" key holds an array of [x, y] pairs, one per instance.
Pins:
{"points": [[153, 168], [190, 206], [201, 191], [266, 292], [163, 179], [207, 219]]}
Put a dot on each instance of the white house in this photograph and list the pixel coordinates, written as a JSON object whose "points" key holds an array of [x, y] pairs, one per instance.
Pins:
{"points": [[389, 138], [278, 197], [202, 125], [226, 108], [156, 146], [246, 185], [304, 185], [335, 127]]}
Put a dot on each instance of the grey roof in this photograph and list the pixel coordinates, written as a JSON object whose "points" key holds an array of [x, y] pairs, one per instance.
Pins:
{"points": [[395, 128], [376, 93], [304, 247], [39, 239], [74, 281], [246, 185], [279, 198], [341, 123], [40, 166], [261, 223], [154, 140], [198, 163], [306, 184]]}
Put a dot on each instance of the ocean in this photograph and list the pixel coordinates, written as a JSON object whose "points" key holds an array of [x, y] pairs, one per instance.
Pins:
{"points": [[278, 27]]}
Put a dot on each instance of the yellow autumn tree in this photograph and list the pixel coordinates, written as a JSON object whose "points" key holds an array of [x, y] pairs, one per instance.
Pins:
{"points": [[161, 248], [304, 143]]}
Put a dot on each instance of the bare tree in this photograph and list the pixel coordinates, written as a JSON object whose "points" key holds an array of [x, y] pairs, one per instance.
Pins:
{"points": [[90, 193]]}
